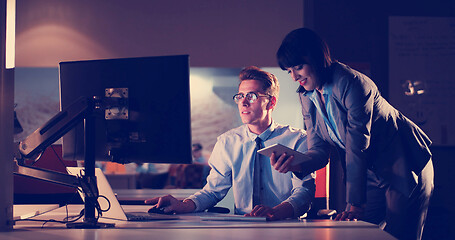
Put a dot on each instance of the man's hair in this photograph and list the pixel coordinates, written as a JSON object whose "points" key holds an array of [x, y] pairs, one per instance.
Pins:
{"points": [[269, 82]]}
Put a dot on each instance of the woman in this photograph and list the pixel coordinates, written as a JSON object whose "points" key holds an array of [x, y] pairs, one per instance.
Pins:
{"points": [[386, 157]]}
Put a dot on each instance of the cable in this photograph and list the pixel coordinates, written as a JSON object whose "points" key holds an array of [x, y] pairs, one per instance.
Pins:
{"points": [[74, 218], [93, 191], [64, 221]]}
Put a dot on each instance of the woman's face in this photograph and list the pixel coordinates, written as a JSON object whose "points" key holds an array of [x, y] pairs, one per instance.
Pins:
{"points": [[305, 75]]}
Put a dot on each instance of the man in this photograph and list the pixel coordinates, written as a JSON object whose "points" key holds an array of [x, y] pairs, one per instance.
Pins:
{"points": [[258, 190]]}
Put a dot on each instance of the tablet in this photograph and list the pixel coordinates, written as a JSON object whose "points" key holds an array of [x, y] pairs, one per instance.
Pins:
{"points": [[280, 149]]}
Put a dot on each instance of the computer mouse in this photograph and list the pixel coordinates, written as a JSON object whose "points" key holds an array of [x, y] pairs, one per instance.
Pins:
{"points": [[218, 210], [159, 210]]}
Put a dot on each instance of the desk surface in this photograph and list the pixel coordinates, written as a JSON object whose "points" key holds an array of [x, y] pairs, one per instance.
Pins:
{"points": [[190, 226]]}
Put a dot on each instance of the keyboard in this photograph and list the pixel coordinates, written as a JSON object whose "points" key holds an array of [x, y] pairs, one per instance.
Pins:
{"points": [[145, 216]]}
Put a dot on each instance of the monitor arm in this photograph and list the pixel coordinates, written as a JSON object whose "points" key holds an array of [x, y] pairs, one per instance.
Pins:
{"points": [[55, 128], [114, 104], [43, 137], [46, 175]]}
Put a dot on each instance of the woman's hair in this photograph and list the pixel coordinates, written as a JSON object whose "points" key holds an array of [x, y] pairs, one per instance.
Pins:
{"points": [[269, 82], [304, 46]]}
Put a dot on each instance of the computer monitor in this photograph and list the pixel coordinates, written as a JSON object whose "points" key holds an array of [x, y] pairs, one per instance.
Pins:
{"points": [[155, 128]]}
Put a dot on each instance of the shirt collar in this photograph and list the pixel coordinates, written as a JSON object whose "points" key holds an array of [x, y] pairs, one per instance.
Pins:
{"points": [[327, 90], [264, 135]]}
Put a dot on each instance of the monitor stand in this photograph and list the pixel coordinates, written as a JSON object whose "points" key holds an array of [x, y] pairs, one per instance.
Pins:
{"points": [[90, 221]]}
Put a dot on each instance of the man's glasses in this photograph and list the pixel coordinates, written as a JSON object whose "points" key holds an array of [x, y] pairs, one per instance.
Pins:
{"points": [[251, 97]]}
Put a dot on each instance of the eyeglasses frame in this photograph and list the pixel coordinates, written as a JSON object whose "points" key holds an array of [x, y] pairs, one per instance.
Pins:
{"points": [[252, 100]]}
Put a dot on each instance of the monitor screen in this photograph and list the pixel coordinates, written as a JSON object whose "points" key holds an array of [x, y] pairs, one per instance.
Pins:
{"points": [[155, 91]]}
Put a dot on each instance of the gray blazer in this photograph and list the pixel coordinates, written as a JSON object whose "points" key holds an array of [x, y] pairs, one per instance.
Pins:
{"points": [[376, 135]]}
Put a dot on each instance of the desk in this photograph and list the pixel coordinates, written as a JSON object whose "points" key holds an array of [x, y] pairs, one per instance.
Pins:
{"points": [[191, 227]]}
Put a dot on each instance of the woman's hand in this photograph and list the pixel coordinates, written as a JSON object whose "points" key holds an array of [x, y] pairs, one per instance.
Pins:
{"points": [[284, 163], [352, 213]]}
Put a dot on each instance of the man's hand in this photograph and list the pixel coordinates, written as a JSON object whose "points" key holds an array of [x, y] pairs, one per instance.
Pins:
{"points": [[352, 213], [284, 163], [171, 204], [282, 211]]}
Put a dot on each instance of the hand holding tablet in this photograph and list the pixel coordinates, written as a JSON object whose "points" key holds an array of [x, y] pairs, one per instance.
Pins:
{"points": [[283, 166], [279, 149]]}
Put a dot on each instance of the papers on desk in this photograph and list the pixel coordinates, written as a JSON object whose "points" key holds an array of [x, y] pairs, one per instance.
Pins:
{"points": [[232, 217]]}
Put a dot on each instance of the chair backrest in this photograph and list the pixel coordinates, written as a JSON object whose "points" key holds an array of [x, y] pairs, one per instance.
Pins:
{"points": [[190, 176]]}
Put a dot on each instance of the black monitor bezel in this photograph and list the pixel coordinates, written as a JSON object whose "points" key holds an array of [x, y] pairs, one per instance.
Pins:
{"points": [[160, 83]]}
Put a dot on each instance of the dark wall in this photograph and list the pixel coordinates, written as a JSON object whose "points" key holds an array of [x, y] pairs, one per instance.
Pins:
{"points": [[214, 33], [357, 31]]}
